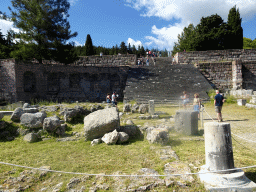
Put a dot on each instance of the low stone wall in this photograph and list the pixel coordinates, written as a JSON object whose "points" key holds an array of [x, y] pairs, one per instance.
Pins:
{"points": [[215, 56]]}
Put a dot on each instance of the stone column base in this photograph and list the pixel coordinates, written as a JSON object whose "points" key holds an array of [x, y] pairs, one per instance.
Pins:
{"points": [[236, 181]]}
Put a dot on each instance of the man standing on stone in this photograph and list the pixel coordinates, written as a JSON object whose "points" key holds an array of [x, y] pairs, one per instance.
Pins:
{"points": [[218, 102]]}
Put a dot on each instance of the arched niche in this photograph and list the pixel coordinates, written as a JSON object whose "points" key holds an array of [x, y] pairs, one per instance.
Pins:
{"points": [[29, 80]]}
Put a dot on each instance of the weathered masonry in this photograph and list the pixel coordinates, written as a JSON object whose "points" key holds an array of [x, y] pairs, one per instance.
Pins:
{"points": [[90, 78], [225, 69]]}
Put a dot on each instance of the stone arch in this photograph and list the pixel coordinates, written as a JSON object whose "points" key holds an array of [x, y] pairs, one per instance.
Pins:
{"points": [[29, 80]]}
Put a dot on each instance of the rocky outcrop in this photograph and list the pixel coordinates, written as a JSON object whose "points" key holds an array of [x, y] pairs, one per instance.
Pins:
{"points": [[33, 120], [101, 122]]}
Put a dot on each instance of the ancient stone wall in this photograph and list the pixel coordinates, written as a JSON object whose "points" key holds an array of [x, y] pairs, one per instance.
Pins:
{"points": [[7, 80], [230, 75], [215, 56], [27, 80], [218, 74]]}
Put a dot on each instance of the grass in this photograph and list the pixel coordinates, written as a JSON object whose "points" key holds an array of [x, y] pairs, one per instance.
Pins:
{"points": [[80, 156]]}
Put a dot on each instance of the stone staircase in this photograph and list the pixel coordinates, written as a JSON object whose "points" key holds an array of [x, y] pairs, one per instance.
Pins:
{"points": [[164, 82]]}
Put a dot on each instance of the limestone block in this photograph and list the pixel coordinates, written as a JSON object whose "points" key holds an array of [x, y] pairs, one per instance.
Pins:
{"points": [[110, 138], [157, 135], [151, 107], [31, 137], [100, 122], [241, 102], [123, 137], [186, 122]]}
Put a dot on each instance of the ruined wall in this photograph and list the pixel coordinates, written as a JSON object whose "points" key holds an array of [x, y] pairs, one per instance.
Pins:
{"points": [[7, 80], [218, 74], [215, 56], [66, 82], [230, 75]]}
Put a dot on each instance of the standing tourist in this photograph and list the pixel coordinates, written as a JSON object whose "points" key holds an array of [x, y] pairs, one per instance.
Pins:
{"points": [[218, 102], [197, 103], [108, 98], [114, 99], [147, 61], [185, 99]]}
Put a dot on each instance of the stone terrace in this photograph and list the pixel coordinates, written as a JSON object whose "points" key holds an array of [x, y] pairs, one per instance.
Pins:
{"points": [[164, 82]]}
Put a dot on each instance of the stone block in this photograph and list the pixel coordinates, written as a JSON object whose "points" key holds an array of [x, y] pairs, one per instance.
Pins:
{"points": [[241, 102], [186, 122], [151, 107]]}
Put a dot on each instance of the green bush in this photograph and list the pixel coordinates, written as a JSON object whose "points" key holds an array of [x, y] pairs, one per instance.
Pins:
{"points": [[230, 99]]}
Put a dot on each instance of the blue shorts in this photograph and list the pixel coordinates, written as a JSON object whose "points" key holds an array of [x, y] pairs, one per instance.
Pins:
{"points": [[196, 108]]}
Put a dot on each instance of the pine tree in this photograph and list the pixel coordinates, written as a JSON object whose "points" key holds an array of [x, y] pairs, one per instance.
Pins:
{"points": [[123, 48], [235, 40], [88, 46], [44, 27]]}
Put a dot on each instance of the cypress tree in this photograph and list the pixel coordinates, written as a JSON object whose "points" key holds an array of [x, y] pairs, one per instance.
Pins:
{"points": [[88, 46], [235, 40]]}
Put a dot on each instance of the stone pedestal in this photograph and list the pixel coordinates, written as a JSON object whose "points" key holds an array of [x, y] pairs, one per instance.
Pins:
{"points": [[219, 157], [151, 107], [186, 122]]}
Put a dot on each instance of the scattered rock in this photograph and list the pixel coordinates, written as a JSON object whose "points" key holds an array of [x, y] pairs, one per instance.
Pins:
{"points": [[132, 130], [95, 142], [158, 135], [135, 107], [30, 110], [26, 105], [73, 182], [100, 122], [31, 137], [123, 137], [51, 124], [110, 138], [127, 108], [17, 114], [155, 116], [33, 120], [23, 132], [143, 108], [129, 122]]}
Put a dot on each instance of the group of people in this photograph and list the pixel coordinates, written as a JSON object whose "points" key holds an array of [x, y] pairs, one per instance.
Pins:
{"points": [[218, 103], [112, 99]]}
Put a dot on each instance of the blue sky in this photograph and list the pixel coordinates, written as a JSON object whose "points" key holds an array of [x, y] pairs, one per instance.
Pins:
{"points": [[151, 23]]}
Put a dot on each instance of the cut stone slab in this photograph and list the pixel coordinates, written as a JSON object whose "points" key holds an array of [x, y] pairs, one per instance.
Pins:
{"points": [[158, 135], [186, 122], [100, 122], [33, 120]]}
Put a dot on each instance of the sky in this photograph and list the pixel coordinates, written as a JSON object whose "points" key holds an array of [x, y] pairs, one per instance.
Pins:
{"points": [[151, 23]]}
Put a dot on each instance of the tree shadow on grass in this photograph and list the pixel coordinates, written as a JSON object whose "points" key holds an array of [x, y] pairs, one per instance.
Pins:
{"points": [[9, 132]]}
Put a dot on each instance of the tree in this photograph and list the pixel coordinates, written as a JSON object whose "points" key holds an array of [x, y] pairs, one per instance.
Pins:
{"points": [[211, 33], [88, 46], [235, 38], [123, 48], [44, 27]]}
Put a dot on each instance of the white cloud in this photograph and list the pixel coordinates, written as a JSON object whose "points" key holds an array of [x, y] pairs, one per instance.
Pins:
{"points": [[133, 42], [187, 11], [7, 25], [72, 2]]}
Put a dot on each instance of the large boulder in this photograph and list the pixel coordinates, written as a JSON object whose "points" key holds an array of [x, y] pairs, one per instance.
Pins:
{"points": [[17, 114], [157, 135], [110, 138], [51, 124], [33, 120], [100, 122], [31, 137]]}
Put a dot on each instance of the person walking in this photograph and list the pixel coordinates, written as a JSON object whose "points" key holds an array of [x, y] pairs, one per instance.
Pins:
{"points": [[185, 98], [114, 99], [218, 103], [197, 103]]}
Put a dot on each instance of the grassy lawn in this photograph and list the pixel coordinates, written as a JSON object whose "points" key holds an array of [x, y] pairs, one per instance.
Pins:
{"points": [[80, 156]]}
